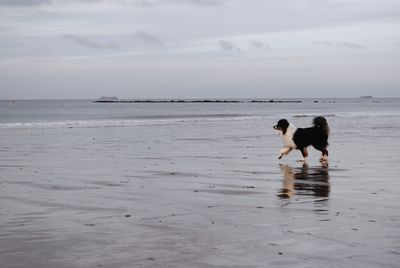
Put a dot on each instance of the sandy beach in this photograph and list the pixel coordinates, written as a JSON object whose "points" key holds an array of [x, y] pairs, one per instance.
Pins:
{"points": [[199, 194]]}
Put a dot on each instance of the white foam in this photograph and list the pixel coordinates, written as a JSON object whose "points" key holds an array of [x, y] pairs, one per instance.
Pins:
{"points": [[124, 123]]}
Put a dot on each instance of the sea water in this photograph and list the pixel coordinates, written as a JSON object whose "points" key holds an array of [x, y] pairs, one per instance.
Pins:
{"points": [[86, 184], [86, 113]]}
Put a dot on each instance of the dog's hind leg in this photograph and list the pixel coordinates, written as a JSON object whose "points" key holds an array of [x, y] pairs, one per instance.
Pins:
{"points": [[324, 156], [324, 151], [304, 152], [284, 151]]}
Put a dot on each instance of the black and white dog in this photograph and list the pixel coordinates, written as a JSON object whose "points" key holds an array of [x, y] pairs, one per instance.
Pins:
{"points": [[301, 138]]}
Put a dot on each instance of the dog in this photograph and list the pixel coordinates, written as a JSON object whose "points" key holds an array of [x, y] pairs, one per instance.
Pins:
{"points": [[301, 138]]}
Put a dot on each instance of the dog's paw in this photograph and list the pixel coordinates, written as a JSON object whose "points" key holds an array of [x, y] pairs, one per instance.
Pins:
{"points": [[303, 161], [323, 158]]}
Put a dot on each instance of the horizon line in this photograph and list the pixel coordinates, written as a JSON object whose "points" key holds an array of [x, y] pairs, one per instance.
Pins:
{"points": [[201, 98]]}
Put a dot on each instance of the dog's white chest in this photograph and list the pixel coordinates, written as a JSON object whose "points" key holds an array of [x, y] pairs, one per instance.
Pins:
{"points": [[288, 137]]}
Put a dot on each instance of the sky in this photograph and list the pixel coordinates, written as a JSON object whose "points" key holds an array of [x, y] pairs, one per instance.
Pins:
{"points": [[136, 49]]}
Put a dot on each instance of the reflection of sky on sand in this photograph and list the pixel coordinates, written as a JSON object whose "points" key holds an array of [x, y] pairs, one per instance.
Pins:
{"points": [[305, 181]]}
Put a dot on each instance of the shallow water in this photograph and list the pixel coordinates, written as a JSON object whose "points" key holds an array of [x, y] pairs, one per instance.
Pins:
{"points": [[197, 187], [85, 113]]}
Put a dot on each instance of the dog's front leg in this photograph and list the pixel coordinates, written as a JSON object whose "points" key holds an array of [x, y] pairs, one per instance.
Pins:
{"points": [[284, 151]]}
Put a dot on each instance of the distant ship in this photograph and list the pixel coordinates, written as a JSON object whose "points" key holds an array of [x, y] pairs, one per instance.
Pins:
{"points": [[366, 97], [107, 99]]}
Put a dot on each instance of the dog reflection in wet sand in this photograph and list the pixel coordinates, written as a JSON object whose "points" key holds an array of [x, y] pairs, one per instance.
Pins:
{"points": [[304, 181]]}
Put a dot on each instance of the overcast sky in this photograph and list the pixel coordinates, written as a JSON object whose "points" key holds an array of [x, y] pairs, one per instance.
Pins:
{"points": [[199, 48]]}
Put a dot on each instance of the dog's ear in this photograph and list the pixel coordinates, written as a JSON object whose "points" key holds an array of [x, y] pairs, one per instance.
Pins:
{"points": [[283, 124]]}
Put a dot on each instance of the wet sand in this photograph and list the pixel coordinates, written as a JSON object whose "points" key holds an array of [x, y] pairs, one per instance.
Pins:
{"points": [[198, 194]]}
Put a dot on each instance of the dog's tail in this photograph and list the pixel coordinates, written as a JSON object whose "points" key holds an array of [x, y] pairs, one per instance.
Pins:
{"points": [[321, 122]]}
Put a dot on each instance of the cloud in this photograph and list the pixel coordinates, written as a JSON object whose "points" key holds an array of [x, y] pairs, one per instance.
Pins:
{"points": [[142, 3], [257, 44], [350, 45], [198, 2], [147, 38], [89, 43], [24, 2], [32, 3], [152, 3], [227, 46]]}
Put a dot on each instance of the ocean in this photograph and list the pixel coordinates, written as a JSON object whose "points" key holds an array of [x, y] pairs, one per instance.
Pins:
{"points": [[122, 185], [86, 113]]}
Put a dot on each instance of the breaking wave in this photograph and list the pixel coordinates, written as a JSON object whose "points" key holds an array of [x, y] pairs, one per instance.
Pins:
{"points": [[148, 121]]}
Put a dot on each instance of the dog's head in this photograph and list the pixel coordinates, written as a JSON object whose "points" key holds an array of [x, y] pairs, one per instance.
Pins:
{"points": [[282, 126]]}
